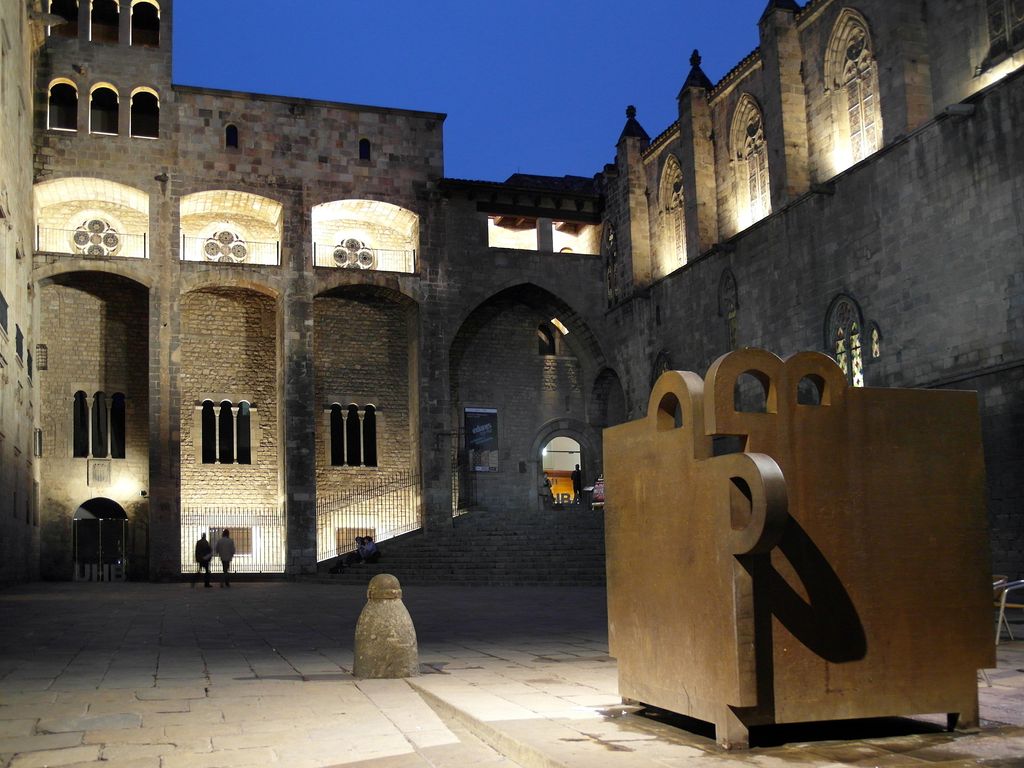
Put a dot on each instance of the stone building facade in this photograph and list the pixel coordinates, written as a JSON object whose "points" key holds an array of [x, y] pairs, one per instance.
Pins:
{"points": [[261, 311]]}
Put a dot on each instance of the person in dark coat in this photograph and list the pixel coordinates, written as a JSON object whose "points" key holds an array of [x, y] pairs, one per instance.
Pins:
{"points": [[225, 550], [577, 484], [204, 553]]}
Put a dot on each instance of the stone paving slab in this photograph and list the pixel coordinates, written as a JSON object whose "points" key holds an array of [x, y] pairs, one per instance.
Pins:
{"points": [[260, 675]]}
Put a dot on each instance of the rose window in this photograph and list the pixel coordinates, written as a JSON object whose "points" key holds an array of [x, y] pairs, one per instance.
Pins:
{"points": [[353, 253], [225, 246], [96, 237]]}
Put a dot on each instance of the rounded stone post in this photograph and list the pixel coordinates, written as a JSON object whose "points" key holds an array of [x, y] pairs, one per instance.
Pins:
{"points": [[385, 644]]}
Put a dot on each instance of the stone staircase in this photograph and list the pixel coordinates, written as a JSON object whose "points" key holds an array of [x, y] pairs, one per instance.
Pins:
{"points": [[489, 548]]}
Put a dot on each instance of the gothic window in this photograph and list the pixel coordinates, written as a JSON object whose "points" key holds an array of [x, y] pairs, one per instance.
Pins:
{"points": [[845, 339], [670, 203], [225, 432], [98, 430], [104, 21], [145, 115], [68, 10], [364, 149], [751, 161], [852, 73], [62, 112], [1005, 27], [876, 341], [146, 24], [728, 303], [103, 110], [352, 435], [231, 136]]}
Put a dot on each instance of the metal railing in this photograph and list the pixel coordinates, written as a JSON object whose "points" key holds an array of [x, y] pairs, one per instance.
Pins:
{"points": [[259, 533], [377, 259], [237, 252], [382, 509], [105, 245]]}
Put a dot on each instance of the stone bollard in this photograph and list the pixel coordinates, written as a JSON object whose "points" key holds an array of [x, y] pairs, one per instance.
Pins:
{"points": [[385, 637]]}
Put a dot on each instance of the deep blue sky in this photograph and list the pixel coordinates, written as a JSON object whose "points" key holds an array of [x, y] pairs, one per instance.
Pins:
{"points": [[535, 86]]}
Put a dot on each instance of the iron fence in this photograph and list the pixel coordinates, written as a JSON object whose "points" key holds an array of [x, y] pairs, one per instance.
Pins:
{"points": [[259, 533], [230, 250], [382, 509], [102, 244], [380, 259]]}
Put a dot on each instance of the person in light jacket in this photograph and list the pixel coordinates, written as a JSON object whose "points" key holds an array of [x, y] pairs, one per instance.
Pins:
{"points": [[225, 550]]}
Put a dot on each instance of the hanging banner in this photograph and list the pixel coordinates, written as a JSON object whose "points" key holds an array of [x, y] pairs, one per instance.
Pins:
{"points": [[482, 439]]}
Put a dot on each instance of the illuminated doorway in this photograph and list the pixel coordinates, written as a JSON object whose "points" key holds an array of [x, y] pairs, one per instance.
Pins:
{"points": [[99, 533], [559, 458]]}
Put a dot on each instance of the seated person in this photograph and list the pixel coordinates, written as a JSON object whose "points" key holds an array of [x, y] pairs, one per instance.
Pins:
{"points": [[369, 551]]}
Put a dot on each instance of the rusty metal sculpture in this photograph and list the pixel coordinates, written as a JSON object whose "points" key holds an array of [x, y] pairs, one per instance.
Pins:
{"points": [[836, 567]]}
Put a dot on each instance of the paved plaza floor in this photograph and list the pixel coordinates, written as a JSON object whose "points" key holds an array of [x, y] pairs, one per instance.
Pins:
{"points": [[163, 675]]}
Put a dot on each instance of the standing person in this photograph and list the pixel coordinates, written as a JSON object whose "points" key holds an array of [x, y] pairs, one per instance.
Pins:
{"points": [[577, 484], [225, 550], [204, 553]]}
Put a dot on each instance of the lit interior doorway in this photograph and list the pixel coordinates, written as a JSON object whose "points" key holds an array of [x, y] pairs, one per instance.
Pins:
{"points": [[100, 527], [559, 457]]}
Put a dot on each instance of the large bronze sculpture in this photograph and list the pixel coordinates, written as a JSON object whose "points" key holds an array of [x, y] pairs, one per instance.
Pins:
{"points": [[835, 565]]}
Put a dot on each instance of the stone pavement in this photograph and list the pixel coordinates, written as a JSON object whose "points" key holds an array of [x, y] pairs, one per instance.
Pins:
{"points": [[161, 676]]}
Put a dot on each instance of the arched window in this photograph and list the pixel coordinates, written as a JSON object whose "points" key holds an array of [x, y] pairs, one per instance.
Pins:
{"points": [[337, 436], [244, 434], [68, 10], [754, 194], [353, 437], [231, 136], [145, 115], [670, 207], [99, 426], [80, 426], [364, 149], [226, 433], [145, 24], [612, 278], [844, 339], [104, 21], [208, 434], [853, 74], [117, 423], [62, 112], [103, 111], [370, 437], [545, 339]]}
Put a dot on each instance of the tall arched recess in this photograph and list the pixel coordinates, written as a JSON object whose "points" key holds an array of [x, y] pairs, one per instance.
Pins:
{"points": [[365, 234], [506, 388]]}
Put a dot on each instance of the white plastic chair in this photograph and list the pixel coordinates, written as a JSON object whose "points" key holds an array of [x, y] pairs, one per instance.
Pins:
{"points": [[1001, 589]]}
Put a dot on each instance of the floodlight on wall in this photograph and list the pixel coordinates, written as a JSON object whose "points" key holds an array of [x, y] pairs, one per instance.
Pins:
{"points": [[959, 110]]}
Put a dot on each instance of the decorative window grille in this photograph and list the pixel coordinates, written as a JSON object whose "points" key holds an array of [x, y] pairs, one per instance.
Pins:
{"points": [[611, 259], [757, 169], [671, 203], [352, 435], [1005, 27]]}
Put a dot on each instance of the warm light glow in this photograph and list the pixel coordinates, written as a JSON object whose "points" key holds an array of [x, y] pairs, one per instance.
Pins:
{"points": [[558, 324]]}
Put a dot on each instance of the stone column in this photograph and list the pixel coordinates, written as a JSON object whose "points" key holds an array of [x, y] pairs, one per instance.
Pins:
{"points": [[700, 191]]}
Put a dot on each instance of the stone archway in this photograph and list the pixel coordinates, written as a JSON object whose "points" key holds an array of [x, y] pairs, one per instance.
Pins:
{"points": [[99, 541], [590, 460]]}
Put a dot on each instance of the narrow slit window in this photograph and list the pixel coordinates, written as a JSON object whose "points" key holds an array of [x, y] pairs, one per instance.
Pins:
{"points": [[80, 426], [370, 437], [231, 137], [364, 149], [117, 423], [354, 438], [337, 436], [208, 423], [226, 434], [99, 426], [244, 424]]}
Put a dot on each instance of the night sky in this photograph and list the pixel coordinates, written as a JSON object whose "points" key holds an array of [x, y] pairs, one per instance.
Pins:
{"points": [[531, 86]]}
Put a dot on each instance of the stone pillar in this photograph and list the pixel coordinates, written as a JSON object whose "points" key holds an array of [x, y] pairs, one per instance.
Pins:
{"points": [[785, 104], [700, 191], [634, 233], [545, 238]]}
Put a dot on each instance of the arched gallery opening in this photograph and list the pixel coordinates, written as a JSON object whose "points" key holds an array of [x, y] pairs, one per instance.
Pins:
{"points": [[99, 533], [559, 458]]}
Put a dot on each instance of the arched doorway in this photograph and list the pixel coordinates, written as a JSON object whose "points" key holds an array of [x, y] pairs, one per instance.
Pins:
{"points": [[559, 458], [99, 533]]}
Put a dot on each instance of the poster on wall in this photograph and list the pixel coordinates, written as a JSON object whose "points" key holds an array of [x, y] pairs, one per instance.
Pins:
{"points": [[482, 439]]}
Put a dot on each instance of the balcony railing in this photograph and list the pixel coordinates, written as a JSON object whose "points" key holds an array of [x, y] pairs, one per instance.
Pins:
{"points": [[259, 533], [235, 251], [379, 259], [105, 244]]}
